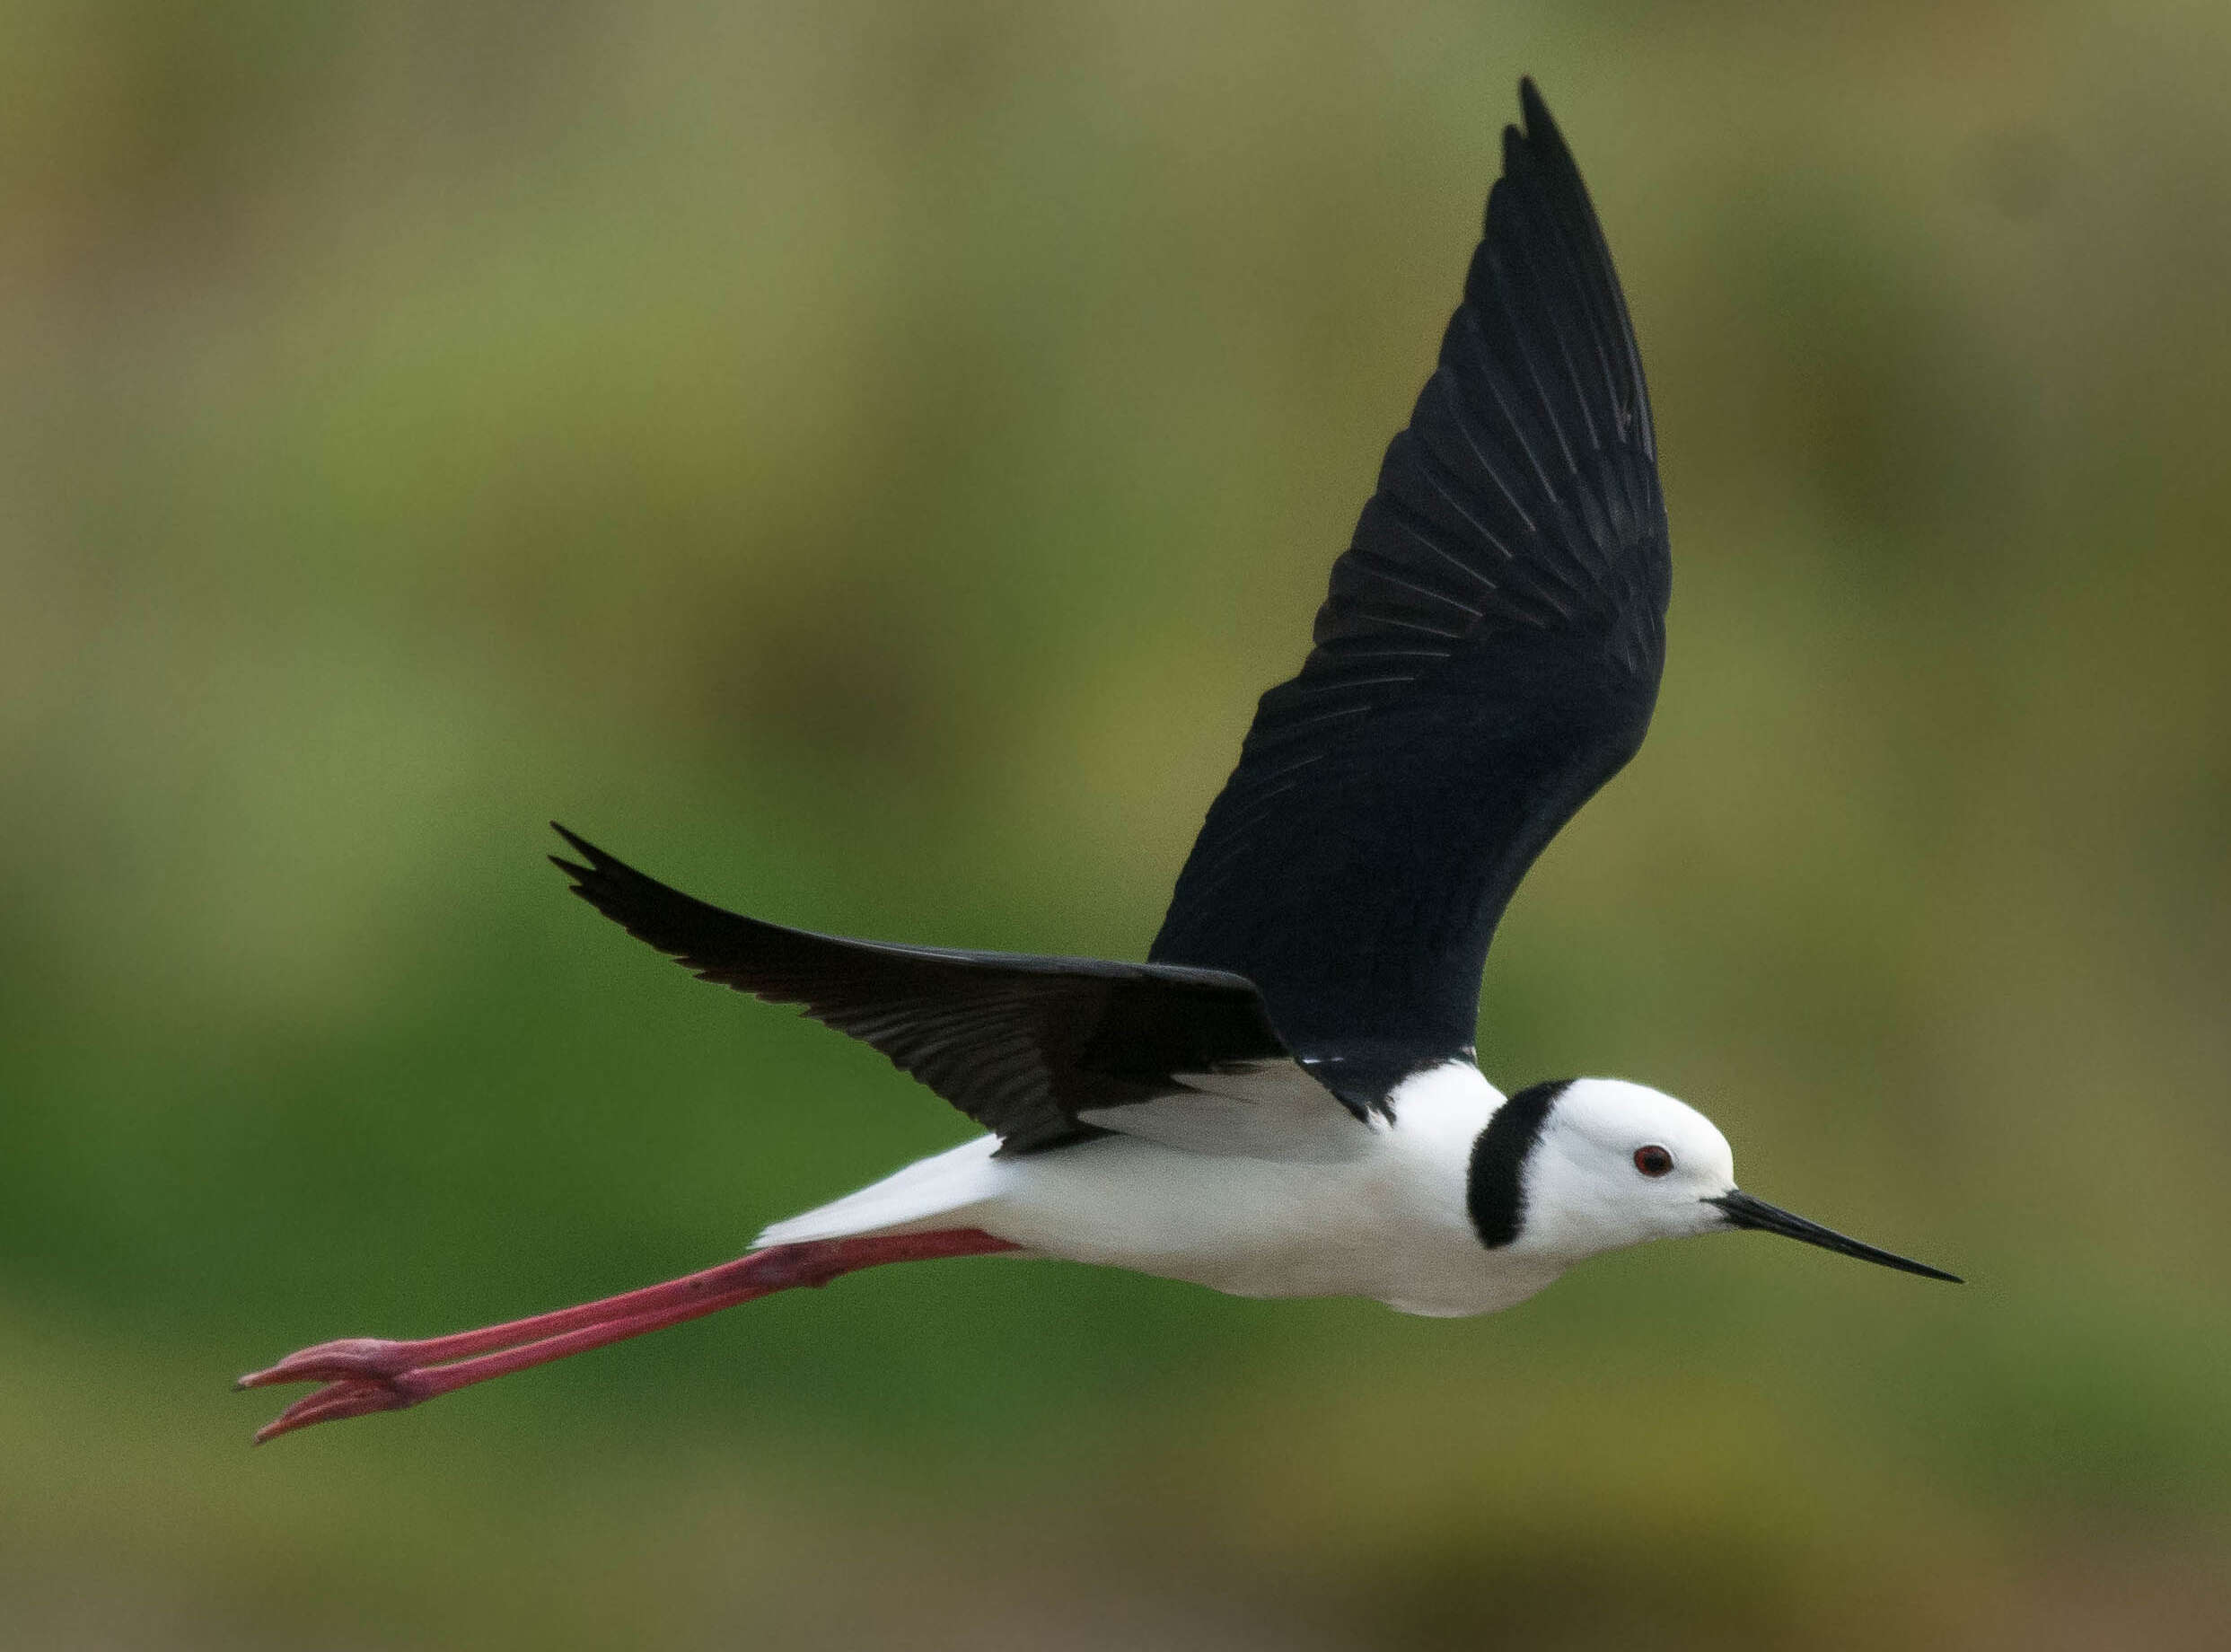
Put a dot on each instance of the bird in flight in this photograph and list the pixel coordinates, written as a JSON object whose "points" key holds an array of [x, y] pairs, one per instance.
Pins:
{"points": [[1283, 1100]]}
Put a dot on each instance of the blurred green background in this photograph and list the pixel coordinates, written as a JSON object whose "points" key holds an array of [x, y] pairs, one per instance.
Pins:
{"points": [[861, 463]]}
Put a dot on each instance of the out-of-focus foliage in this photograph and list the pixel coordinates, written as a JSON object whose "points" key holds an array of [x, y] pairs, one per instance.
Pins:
{"points": [[861, 461]]}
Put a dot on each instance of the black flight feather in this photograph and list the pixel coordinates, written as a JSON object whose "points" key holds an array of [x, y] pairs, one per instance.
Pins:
{"points": [[1488, 655], [1021, 1044]]}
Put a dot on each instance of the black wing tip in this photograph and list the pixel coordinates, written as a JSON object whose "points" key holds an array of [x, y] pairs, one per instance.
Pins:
{"points": [[1534, 129], [581, 846], [1537, 138], [596, 869], [660, 916], [1535, 155], [1535, 111], [611, 884]]}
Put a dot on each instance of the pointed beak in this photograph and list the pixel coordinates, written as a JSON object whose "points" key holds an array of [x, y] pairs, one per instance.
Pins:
{"points": [[1744, 1211]]}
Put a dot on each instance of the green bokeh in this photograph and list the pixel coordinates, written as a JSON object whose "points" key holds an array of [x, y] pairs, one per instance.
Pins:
{"points": [[861, 463]]}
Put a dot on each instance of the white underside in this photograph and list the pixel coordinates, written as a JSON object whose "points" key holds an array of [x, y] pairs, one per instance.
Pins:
{"points": [[1276, 1192]]}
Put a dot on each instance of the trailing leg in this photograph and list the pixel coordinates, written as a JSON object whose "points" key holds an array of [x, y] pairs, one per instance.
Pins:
{"points": [[364, 1374]]}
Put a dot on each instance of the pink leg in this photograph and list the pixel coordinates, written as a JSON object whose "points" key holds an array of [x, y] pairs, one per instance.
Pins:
{"points": [[363, 1374]]}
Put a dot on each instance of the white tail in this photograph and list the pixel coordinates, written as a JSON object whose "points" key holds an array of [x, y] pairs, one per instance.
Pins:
{"points": [[939, 1191]]}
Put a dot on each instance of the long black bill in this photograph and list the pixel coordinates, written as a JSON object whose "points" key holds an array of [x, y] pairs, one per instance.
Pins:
{"points": [[1744, 1211]]}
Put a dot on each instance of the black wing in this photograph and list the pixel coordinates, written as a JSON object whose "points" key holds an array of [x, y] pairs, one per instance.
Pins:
{"points": [[1021, 1045], [1487, 656]]}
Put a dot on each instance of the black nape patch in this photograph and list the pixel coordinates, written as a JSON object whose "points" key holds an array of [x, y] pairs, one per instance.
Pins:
{"points": [[1494, 1190]]}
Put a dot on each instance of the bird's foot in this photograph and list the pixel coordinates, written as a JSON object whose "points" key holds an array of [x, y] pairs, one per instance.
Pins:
{"points": [[366, 1358], [348, 1398]]}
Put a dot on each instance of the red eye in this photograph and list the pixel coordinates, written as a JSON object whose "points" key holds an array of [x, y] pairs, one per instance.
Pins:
{"points": [[1653, 1161]]}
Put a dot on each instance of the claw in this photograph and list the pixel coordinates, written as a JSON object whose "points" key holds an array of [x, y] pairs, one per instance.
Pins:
{"points": [[335, 1402]]}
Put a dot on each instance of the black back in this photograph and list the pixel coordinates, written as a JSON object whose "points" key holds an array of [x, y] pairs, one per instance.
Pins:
{"points": [[1488, 655]]}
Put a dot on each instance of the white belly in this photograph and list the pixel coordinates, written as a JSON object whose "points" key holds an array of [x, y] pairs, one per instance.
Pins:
{"points": [[1388, 1222], [1376, 1227]]}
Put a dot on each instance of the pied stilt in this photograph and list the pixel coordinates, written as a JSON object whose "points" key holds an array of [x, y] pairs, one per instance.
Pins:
{"points": [[1283, 1100]]}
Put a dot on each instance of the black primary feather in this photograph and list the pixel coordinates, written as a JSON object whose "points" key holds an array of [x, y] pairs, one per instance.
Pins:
{"points": [[1488, 655], [1021, 1044]]}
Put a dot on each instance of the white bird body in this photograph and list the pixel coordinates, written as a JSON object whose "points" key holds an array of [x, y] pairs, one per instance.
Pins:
{"points": [[1389, 1218], [1386, 1220]]}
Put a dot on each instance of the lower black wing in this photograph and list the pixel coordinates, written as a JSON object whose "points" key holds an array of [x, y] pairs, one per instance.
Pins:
{"points": [[1488, 655], [1021, 1045]]}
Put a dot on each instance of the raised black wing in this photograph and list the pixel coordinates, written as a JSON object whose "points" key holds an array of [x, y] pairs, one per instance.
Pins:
{"points": [[1487, 656], [1021, 1045]]}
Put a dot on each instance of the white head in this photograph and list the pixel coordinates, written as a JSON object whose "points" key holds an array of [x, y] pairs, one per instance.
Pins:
{"points": [[1571, 1169]]}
